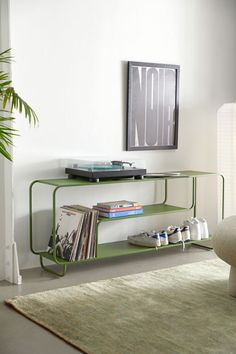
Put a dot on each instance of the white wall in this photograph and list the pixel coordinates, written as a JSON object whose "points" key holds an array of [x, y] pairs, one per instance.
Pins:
{"points": [[71, 65]]}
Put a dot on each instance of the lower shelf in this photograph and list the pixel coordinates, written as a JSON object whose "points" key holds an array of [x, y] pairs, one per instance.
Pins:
{"points": [[122, 248]]}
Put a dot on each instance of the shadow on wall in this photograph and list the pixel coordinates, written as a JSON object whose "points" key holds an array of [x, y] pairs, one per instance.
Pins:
{"points": [[226, 153]]}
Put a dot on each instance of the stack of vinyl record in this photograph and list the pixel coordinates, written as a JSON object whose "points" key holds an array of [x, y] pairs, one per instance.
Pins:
{"points": [[75, 233]]}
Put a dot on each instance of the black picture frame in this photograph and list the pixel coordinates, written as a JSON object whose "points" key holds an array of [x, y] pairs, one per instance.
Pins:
{"points": [[153, 106]]}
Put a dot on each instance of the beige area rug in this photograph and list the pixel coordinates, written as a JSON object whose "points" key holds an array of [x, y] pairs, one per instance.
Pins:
{"points": [[180, 310]]}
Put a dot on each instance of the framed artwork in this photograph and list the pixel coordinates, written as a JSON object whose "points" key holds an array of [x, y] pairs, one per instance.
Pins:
{"points": [[153, 106]]}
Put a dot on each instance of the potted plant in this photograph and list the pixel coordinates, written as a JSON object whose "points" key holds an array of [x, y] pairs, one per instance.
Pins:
{"points": [[10, 101]]}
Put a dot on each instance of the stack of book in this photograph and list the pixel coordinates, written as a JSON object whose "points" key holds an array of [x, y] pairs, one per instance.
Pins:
{"points": [[119, 208], [75, 233]]}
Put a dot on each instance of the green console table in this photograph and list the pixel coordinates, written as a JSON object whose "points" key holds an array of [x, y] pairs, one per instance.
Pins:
{"points": [[122, 247]]}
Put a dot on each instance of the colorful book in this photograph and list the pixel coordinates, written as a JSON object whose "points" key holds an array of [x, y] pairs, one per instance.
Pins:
{"points": [[116, 209], [117, 204], [120, 213]]}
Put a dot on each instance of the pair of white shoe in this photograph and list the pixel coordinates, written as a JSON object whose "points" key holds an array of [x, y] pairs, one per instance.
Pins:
{"points": [[177, 234], [198, 228]]}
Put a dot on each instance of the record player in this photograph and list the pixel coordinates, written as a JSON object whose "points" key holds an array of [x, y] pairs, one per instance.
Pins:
{"points": [[102, 170]]}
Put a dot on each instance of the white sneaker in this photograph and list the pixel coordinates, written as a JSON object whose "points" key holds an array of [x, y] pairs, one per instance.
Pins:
{"points": [[194, 228], [204, 228], [185, 232], [155, 235], [164, 238], [144, 239], [174, 234]]}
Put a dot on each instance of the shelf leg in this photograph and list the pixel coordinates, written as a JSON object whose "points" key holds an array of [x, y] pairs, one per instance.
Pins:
{"points": [[49, 270], [31, 216], [223, 197], [195, 198], [166, 191]]}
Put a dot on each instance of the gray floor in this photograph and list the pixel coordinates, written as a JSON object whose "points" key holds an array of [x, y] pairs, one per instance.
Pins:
{"points": [[18, 335]]}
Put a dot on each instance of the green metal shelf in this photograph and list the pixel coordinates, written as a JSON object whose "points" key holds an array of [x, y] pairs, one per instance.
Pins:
{"points": [[122, 247], [80, 182], [149, 210]]}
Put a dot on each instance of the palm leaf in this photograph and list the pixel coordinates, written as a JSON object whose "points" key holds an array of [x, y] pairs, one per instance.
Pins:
{"points": [[6, 135], [3, 76], [5, 153], [10, 101], [5, 56], [17, 103], [5, 82]]}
